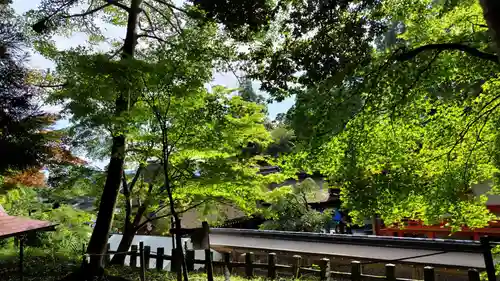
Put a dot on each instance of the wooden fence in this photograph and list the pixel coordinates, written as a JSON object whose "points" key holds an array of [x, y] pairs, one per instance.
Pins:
{"points": [[296, 270]]}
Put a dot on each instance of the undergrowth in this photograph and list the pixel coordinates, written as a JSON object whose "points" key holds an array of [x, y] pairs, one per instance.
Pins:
{"points": [[42, 265]]}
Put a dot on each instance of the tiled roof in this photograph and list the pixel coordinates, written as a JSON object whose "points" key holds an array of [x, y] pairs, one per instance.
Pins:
{"points": [[13, 226]]}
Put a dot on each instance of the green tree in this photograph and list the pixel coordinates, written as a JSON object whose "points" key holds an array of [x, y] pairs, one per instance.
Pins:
{"points": [[312, 41], [283, 141], [73, 227], [409, 133], [143, 20], [290, 210], [24, 140], [195, 140]]}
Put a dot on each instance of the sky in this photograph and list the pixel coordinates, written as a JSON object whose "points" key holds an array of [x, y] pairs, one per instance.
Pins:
{"points": [[38, 61]]}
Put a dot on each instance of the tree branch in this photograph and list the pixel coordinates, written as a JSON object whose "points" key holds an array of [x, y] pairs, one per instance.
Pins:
{"points": [[89, 12], [128, 204], [136, 177], [119, 5], [181, 173], [163, 16], [115, 53], [51, 86], [142, 208], [152, 37], [171, 6], [463, 133], [415, 81], [447, 47], [168, 215]]}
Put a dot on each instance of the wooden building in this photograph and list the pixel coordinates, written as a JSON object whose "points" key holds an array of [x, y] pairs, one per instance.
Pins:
{"points": [[415, 228]]}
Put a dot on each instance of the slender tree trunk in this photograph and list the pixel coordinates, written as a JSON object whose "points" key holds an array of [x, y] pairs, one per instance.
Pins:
{"points": [[100, 235], [178, 242], [173, 212], [129, 232], [99, 238], [125, 243], [491, 12]]}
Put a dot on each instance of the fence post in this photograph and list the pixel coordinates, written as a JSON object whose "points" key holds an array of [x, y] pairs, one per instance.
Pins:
{"points": [[227, 262], [208, 265], [133, 256], [147, 256], [296, 266], [355, 271], [249, 264], [21, 258], [429, 273], [324, 274], [271, 266], [142, 263], [390, 272], [174, 263], [227, 266], [159, 258], [190, 260], [488, 258], [108, 256], [474, 275]]}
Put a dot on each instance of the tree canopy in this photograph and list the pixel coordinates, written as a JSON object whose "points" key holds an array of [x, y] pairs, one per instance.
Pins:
{"points": [[395, 104], [416, 127]]}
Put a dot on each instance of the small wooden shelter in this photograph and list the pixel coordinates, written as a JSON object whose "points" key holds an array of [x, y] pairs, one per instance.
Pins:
{"points": [[13, 226]]}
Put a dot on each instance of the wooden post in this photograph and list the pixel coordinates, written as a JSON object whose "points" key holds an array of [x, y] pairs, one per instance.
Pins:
{"points": [[227, 266], [227, 262], [249, 257], [172, 226], [84, 255], [355, 271], [208, 265], [190, 260], [147, 256], [143, 267], [324, 274], [429, 273], [488, 258], [296, 266], [390, 272], [108, 255], [133, 256], [474, 275], [174, 263], [271, 266], [21, 258], [160, 252]]}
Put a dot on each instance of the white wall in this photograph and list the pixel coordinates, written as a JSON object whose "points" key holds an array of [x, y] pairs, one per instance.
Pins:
{"points": [[482, 188], [159, 241]]}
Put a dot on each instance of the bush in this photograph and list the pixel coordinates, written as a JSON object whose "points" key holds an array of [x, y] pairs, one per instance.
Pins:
{"points": [[290, 211], [73, 226], [39, 264]]}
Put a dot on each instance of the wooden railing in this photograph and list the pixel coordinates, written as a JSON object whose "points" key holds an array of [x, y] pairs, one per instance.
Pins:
{"points": [[295, 270]]}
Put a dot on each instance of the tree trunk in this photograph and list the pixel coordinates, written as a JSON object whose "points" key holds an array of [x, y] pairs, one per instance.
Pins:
{"points": [[100, 235], [99, 238], [129, 232], [178, 242], [124, 246], [491, 12]]}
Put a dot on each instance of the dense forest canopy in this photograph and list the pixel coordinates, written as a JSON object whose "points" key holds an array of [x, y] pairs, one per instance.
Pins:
{"points": [[396, 104]]}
